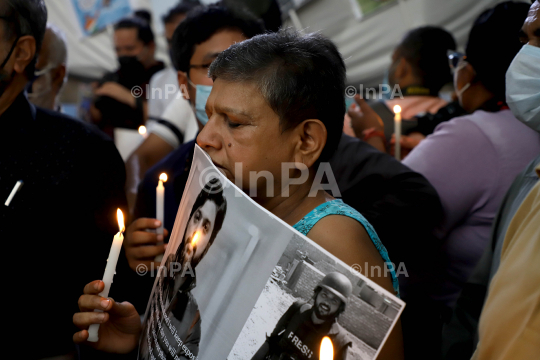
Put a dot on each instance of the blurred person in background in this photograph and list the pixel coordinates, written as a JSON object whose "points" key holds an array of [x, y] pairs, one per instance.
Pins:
{"points": [[460, 335], [115, 105], [509, 326], [171, 121], [63, 217], [197, 41], [177, 124], [418, 72], [472, 160], [50, 75]]}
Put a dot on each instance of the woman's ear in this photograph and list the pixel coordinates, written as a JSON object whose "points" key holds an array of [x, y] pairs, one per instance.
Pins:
{"points": [[24, 53], [312, 139]]}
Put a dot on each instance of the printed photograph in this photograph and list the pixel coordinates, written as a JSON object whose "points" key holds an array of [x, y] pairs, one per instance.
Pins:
{"points": [[310, 296], [222, 250]]}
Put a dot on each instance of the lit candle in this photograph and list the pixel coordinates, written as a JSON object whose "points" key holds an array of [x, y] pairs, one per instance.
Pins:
{"points": [[142, 131], [109, 270], [327, 349], [397, 131], [160, 202], [195, 238]]}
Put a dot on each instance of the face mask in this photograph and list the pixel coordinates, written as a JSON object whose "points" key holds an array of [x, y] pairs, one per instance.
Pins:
{"points": [[523, 86], [130, 64], [203, 91], [460, 92]]}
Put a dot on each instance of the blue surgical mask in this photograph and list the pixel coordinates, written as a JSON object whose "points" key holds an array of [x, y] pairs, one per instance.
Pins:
{"points": [[203, 91], [523, 86]]}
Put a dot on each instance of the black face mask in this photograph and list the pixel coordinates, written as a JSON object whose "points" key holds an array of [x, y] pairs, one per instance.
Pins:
{"points": [[130, 64]]}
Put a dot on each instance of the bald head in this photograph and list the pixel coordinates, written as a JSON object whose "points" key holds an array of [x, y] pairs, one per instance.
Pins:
{"points": [[54, 49], [50, 69]]}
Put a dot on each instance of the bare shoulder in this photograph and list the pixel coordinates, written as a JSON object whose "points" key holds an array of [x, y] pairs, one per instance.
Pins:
{"points": [[348, 240]]}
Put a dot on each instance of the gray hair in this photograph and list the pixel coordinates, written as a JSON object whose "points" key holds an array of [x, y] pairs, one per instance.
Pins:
{"points": [[57, 47], [25, 17], [300, 76]]}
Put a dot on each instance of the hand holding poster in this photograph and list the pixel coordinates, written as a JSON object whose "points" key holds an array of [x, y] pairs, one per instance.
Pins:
{"points": [[239, 283]]}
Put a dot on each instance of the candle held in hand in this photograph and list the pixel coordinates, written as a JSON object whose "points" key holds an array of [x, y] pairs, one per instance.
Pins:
{"points": [[110, 269], [397, 131], [160, 202], [327, 349], [195, 238]]}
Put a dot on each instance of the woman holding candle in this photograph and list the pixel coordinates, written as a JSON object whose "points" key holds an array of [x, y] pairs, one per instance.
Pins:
{"points": [[278, 98]]}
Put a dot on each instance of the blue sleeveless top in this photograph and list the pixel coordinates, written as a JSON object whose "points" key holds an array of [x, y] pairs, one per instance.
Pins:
{"points": [[338, 207]]}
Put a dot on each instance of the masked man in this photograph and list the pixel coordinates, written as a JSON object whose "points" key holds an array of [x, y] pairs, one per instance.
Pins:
{"points": [[115, 104]]}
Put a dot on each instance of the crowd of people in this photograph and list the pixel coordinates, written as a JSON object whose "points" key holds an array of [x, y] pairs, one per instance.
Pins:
{"points": [[460, 209]]}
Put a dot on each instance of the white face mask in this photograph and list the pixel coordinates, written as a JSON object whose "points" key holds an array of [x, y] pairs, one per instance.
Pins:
{"points": [[523, 86]]}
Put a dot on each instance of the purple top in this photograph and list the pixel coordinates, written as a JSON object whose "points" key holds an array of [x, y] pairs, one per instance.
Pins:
{"points": [[471, 161]]}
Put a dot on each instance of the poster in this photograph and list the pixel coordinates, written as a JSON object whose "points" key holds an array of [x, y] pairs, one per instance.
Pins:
{"points": [[96, 15], [233, 271], [363, 8]]}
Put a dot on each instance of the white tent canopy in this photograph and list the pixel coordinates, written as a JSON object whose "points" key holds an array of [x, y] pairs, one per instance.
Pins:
{"points": [[365, 44]]}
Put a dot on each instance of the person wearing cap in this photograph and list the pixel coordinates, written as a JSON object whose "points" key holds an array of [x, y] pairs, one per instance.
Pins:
{"points": [[299, 332]]}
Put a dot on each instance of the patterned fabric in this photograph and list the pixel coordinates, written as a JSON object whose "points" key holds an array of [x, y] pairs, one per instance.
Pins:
{"points": [[338, 207]]}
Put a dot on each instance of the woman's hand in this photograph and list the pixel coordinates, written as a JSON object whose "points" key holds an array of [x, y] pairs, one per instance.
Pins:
{"points": [[120, 324]]}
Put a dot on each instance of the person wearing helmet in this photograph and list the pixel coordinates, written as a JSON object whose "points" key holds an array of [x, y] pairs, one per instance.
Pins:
{"points": [[299, 332]]}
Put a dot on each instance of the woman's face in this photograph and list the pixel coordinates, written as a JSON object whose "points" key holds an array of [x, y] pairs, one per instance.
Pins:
{"points": [[244, 136], [202, 223]]}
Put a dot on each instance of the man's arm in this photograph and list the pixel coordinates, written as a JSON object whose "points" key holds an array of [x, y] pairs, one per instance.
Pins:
{"points": [[152, 150]]}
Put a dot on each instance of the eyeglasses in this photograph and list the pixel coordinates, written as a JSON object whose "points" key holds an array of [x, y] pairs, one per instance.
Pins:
{"points": [[455, 58]]}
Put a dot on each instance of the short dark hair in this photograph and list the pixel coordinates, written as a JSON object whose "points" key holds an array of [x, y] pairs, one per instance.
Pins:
{"points": [[25, 17], [300, 77], [425, 49], [202, 23], [179, 10], [144, 31], [494, 42], [212, 191]]}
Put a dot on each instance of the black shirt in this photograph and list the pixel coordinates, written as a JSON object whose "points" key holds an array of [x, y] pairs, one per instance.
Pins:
{"points": [[58, 229], [117, 114]]}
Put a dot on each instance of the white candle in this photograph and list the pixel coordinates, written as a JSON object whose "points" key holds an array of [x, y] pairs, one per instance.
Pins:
{"points": [[16, 188], [109, 270], [397, 131], [160, 202], [327, 349]]}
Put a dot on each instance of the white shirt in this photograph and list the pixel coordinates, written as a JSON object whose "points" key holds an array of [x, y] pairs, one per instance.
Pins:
{"points": [[163, 89], [180, 114]]}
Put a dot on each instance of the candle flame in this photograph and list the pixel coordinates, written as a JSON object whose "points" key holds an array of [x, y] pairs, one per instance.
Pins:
{"points": [[327, 349], [195, 238], [163, 177], [142, 129], [120, 217], [397, 109]]}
